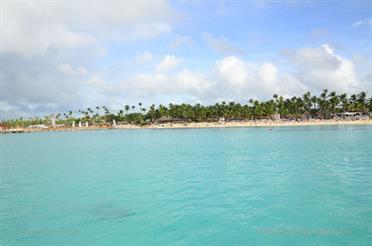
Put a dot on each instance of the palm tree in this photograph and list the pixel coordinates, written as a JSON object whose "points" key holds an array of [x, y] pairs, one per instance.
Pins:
{"points": [[369, 105], [323, 103], [361, 101], [307, 103], [120, 113], [333, 101], [127, 108], [152, 113], [314, 101], [293, 107], [140, 106], [344, 102], [353, 102]]}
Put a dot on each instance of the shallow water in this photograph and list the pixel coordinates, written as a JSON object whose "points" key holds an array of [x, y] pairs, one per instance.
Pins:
{"points": [[238, 186]]}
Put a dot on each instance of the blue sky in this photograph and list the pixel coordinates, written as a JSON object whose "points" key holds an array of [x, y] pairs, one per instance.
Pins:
{"points": [[56, 56], [259, 29]]}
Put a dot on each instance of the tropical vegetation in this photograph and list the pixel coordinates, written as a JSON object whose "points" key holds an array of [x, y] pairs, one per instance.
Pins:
{"points": [[324, 106]]}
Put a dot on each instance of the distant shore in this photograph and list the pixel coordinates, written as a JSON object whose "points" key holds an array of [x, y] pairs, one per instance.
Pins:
{"points": [[260, 123]]}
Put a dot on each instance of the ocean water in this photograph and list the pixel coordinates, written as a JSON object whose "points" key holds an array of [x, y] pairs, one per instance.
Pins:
{"points": [[237, 186]]}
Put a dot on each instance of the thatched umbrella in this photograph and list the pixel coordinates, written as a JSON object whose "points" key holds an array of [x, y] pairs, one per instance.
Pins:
{"points": [[165, 119]]}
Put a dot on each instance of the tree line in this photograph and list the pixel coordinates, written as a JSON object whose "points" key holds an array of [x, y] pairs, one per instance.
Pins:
{"points": [[324, 106]]}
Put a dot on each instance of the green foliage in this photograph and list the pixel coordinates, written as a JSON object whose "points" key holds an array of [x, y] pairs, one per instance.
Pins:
{"points": [[323, 106]]}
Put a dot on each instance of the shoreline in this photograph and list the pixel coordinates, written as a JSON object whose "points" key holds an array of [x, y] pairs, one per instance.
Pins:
{"points": [[200, 125], [263, 123]]}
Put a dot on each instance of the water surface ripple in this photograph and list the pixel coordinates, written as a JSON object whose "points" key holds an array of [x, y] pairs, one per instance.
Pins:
{"points": [[238, 186]]}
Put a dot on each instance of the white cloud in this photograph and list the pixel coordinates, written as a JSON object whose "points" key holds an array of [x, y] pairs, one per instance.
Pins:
{"points": [[240, 79], [99, 87], [33, 27], [46, 47], [82, 71], [66, 69], [231, 77], [194, 82], [181, 40], [33, 80], [308, 69], [6, 107], [222, 45], [233, 70], [143, 57], [273, 81], [321, 68], [148, 84], [312, 69], [367, 22], [148, 30], [313, 58], [186, 82], [169, 62], [357, 23]]}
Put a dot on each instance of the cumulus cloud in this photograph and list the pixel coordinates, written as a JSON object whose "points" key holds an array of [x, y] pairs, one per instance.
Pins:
{"points": [[23, 33], [367, 82], [181, 40], [148, 84], [194, 82], [249, 79], [33, 81], [46, 47], [143, 57], [222, 45], [233, 70], [169, 62], [43, 87], [321, 67], [32, 28], [146, 31], [185, 82], [66, 69], [6, 107], [230, 77], [312, 69], [33, 86]]}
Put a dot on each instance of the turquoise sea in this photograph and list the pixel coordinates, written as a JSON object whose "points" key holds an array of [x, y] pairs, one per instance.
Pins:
{"points": [[236, 186]]}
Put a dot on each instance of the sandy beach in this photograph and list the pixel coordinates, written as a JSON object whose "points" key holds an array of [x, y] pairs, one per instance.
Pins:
{"points": [[261, 123]]}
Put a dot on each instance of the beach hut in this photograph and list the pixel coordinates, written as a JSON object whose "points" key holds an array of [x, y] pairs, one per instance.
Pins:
{"points": [[352, 115], [165, 119]]}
